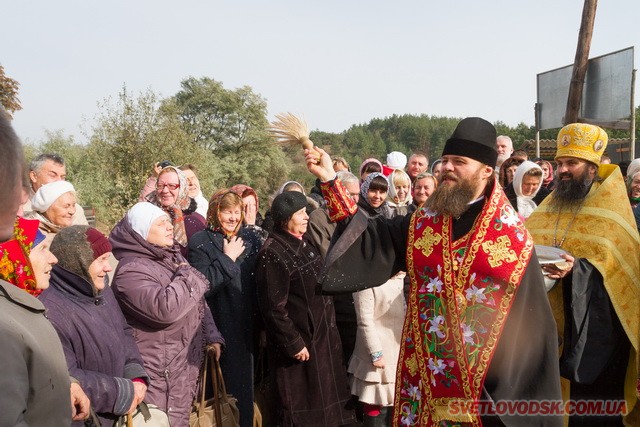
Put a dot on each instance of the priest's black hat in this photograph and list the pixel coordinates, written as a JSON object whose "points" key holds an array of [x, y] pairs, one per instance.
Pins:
{"points": [[474, 138]]}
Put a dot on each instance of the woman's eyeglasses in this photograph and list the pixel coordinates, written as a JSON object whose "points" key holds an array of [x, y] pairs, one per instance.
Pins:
{"points": [[160, 187]]}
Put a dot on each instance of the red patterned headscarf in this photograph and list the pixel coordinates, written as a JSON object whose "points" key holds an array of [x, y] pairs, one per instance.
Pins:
{"points": [[15, 266]]}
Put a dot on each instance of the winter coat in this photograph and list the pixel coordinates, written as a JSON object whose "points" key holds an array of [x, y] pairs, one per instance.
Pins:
{"points": [[34, 380], [380, 313], [162, 299], [232, 299], [97, 342], [311, 393], [320, 232]]}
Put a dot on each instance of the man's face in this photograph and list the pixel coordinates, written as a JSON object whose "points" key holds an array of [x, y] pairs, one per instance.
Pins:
{"points": [[572, 168], [572, 183], [456, 169], [462, 181], [49, 172], [354, 190], [635, 186], [530, 184], [504, 147], [417, 164]]}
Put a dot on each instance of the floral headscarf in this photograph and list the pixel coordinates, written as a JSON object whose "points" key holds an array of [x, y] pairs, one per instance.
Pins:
{"points": [[175, 211], [546, 181], [364, 187], [243, 191], [15, 266]]}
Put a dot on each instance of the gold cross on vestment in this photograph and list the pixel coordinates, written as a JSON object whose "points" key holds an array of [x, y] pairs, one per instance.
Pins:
{"points": [[426, 242], [499, 251]]}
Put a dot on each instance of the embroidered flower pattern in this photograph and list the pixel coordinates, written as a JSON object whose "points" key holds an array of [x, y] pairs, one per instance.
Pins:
{"points": [[437, 326], [435, 285], [475, 306], [475, 294], [467, 333], [436, 366]]}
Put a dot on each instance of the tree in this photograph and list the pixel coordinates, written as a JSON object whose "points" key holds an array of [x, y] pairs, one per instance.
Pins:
{"points": [[232, 125], [131, 134], [219, 119], [9, 93]]}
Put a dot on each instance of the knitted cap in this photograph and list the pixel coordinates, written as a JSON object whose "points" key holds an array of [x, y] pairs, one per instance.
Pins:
{"points": [[77, 246], [285, 205], [99, 243], [474, 138], [49, 193], [583, 141], [396, 160]]}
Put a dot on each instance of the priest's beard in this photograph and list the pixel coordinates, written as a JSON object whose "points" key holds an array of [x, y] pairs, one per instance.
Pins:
{"points": [[569, 193], [453, 199]]}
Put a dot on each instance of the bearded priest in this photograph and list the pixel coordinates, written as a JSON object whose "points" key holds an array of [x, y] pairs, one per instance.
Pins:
{"points": [[479, 343]]}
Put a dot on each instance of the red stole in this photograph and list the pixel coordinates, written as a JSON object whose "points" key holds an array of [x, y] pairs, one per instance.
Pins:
{"points": [[460, 296]]}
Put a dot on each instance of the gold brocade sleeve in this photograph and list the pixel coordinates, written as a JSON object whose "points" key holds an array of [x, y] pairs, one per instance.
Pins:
{"points": [[339, 204]]}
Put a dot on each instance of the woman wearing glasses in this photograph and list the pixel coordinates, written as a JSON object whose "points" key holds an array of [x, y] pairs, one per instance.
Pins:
{"points": [[172, 196]]}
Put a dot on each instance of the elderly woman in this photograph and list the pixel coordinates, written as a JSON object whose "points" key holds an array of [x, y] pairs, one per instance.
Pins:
{"points": [[423, 187], [226, 254], [303, 343], [312, 204], [172, 195], [99, 347], [162, 299], [251, 204], [30, 347], [54, 205]]}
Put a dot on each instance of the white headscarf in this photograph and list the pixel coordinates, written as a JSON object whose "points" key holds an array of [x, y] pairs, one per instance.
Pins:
{"points": [[142, 215], [526, 205], [392, 197], [49, 193]]}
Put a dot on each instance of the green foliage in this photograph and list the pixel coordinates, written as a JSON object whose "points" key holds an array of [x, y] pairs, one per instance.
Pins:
{"points": [[219, 119], [231, 124], [9, 93]]}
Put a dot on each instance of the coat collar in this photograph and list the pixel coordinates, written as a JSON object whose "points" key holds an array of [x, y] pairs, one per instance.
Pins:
{"points": [[20, 297]]}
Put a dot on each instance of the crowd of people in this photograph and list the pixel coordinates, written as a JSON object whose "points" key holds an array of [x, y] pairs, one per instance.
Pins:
{"points": [[403, 293]]}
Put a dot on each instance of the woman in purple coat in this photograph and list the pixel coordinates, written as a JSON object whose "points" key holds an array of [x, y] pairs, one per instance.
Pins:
{"points": [[162, 298], [98, 345]]}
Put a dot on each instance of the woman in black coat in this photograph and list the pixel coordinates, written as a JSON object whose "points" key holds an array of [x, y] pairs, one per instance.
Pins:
{"points": [[305, 354], [226, 253]]}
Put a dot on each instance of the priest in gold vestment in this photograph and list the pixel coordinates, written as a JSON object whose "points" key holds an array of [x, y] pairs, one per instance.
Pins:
{"points": [[596, 300]]}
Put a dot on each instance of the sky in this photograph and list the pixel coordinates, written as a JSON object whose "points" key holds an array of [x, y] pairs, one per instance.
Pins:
{"points": [[337, 63]]}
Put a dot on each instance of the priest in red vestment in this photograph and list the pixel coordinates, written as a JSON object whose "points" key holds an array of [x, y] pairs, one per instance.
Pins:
{"points": [[479, 344]]}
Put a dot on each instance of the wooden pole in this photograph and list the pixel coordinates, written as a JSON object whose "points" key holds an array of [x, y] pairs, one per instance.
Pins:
{"points": [[632, 142], [581, 61]]}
